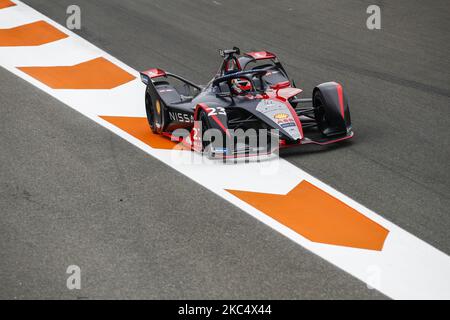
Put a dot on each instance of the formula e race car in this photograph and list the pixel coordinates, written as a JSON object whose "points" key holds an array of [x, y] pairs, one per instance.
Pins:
{"points": [[250, 107]]}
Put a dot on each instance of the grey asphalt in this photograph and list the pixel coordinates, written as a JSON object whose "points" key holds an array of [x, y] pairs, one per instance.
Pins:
{"points": [[73, 193]]}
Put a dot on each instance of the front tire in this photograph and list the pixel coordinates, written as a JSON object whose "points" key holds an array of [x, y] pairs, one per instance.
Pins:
{"points": [[328, 115], [319, 111]]}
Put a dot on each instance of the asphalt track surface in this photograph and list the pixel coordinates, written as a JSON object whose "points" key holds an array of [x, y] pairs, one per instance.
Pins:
{"points": [[73, 193]]}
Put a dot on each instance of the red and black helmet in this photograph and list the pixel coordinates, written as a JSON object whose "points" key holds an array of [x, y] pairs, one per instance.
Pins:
{"points": [[241, 85]]}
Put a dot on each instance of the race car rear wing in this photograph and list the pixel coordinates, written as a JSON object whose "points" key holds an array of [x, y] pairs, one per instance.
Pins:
{"points": [[152, 74], [261, 55]]}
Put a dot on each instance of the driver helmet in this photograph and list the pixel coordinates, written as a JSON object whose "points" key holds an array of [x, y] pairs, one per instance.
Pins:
{"points": [[241, 85]]}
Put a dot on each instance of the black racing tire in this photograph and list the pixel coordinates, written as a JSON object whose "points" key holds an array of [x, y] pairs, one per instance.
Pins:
{"points": [[150, 110], [319, 111], [329, 120]]}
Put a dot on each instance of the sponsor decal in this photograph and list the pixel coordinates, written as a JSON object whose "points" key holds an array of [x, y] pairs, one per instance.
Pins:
{"points": [[287, 120], [280, 116], [220, 150], [215, 111], [165, 90], [181, 117], [287, 125]]}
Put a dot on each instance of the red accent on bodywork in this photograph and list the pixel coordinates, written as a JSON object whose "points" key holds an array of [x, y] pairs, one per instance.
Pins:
{"points": [[182, 140], [236, 61], [154, 73], [280, 85], [214, 117], [261, 55], [341, 98], [172, 137], [296, 119], [196, 131], [286, 93]]}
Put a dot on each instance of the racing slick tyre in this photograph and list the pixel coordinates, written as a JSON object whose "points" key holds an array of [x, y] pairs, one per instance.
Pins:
{"points": [[150, 110], [332, 119]]}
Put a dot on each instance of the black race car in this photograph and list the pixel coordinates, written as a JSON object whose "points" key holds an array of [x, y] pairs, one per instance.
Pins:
{"points": [[250, 107]]}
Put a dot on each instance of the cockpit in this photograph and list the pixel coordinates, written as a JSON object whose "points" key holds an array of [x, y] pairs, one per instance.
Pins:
{"points": [[260, 60]]}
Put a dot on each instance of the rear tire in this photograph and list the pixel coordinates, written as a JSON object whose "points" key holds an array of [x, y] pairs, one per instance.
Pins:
{"points": [[150, 110]]}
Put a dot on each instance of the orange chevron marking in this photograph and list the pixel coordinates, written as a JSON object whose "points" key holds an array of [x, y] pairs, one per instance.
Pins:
{"points": [[139, 128], [6, 4], [31, 34], [318, 216], [98, 73]]}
